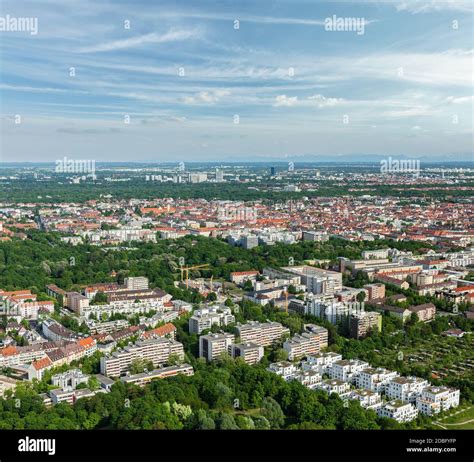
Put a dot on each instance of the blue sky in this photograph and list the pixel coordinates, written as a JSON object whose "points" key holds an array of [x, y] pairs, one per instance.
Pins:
{"points": [[404, 86]]}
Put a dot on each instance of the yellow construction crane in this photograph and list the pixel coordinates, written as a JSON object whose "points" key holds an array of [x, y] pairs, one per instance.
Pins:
{"points": [[185, 269]]}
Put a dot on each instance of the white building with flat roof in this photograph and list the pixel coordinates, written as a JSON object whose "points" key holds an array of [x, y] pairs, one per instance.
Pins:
{"points": [[320, 362], [367, 399], [310, 379], [406, 389], [212, 346], [375, 379], [398, 410], [335, 386], [251, 353], [205, 318], [317, 280], [307, 343], [261, 333], [347, 370], [284, 369], [434, 400]]}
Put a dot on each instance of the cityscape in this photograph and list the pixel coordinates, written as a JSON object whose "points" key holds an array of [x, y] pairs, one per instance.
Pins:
{"points": [[208, 226]]}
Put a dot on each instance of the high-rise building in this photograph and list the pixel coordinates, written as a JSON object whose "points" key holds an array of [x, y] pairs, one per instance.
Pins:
{"points": [[361, 323], [136, 283], [212, 346], [251, 353], [157, 351], [375, 291], [263, 334]]}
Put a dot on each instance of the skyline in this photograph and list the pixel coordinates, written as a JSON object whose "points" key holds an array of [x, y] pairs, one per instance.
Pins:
{"points": [[181, 75]]}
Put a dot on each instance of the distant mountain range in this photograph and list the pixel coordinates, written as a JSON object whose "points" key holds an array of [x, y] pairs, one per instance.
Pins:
{"points": [[466, 159]]}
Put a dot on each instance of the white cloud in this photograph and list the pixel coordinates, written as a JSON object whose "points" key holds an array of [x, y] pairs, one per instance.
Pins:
{"points": [[283, 100], [170, 36], [206, 97], [460, 99], [426, 6], [322, 101]]}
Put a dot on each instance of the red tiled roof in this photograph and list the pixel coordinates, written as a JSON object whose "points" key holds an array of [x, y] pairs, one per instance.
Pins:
{"points": [[161, 331], [41, 363]]}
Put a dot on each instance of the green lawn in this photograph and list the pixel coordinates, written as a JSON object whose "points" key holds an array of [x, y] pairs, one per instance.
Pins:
{"points": [[462, 421]]}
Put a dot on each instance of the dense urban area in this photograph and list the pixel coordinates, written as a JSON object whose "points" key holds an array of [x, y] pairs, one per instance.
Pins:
{"points": [[236, 297]]}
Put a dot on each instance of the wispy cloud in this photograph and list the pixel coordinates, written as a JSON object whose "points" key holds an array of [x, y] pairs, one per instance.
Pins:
{"points": [[427, 6], [133, 42]]}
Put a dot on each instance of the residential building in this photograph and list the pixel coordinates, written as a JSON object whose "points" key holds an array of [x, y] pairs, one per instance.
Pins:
{"points": [[434, 400], [375, 291], [205, 318], [367, 399], [308, 343], [77, 302], [310, 379], [375, 379], [212, 346], [251, 353], [398, 410], [317, 280], [240, 277], [347, 370], [165, 372], [425, 312], [363, 322], [405, 389], [375, 254], [157, 351], [69, 380], [335, 386], [284, 369], [263, 334], [321, 362], [136, 283]]}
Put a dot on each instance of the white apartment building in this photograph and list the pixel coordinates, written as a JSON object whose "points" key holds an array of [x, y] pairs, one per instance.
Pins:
{"points": [[367, 399], [212, 346], [405, 389], [320, 362], [335, 386], [205, 318], [156, 350], [284, 369], [136, 283], [374, 254], [317, 280], [308, 343], [125, 307], [310, 379], [398, 410], [328, 309], [347, 370], [69, 380], [251, 353], [162, 373], [437, 399], [263, 334], [375, 379]]}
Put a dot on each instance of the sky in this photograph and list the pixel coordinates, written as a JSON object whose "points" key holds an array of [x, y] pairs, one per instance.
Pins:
{"points": [[240, 80]]}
